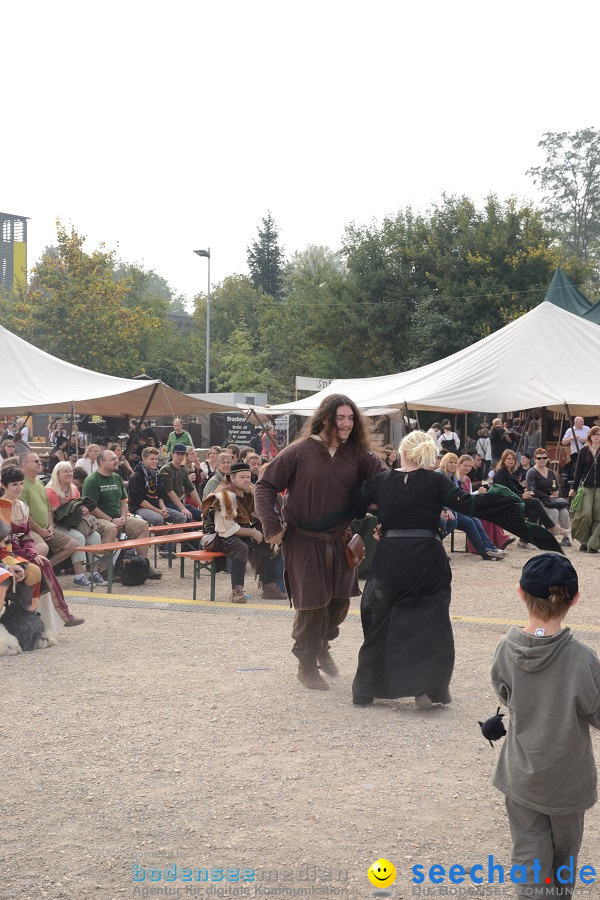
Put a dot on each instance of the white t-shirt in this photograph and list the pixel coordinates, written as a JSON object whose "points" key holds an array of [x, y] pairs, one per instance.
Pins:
{"points": [[86, 463], [581, 433]]}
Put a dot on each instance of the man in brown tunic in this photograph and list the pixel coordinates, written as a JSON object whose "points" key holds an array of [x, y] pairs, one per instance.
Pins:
{"points": [[318, 471]]}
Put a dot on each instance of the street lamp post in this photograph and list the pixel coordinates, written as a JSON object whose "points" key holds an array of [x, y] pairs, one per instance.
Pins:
{"points": [[206, 253]]}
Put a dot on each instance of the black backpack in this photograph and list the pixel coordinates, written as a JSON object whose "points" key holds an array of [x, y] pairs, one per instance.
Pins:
{"points": [[134, 571]]}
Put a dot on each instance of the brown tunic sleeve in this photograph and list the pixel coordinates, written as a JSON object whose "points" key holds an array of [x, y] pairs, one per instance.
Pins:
{"points": [[276, 478]]}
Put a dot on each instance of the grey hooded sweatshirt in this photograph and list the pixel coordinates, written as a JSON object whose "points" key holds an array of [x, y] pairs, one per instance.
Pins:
{"points": [[551, 686]]}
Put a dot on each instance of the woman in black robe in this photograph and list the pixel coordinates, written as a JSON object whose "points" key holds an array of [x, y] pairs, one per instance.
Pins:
{"points": [[408, 649]]}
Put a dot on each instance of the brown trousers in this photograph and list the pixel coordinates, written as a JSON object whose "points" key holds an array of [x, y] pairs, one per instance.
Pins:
{"points": [[314, 628]]}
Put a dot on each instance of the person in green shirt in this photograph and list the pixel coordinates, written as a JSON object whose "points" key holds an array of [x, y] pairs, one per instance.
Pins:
{"points": [[178, 436], [58, 543], [106, 488]]}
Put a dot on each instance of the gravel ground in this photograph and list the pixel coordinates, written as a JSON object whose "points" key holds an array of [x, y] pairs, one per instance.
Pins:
{"points": [[159, 734]]}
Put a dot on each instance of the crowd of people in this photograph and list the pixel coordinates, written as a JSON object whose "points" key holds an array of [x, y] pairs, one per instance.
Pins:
{"points": [[296, 504]]}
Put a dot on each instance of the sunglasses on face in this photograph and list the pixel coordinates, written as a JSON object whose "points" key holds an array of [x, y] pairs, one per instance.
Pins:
{"points": [[541, 457]]}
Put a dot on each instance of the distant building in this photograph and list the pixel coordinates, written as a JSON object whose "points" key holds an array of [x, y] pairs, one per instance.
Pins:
{"points": [[182, 322], [235, 399], [13, 251]]}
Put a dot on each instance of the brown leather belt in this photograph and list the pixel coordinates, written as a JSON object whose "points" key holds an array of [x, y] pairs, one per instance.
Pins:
{"points": [[329, 537]]}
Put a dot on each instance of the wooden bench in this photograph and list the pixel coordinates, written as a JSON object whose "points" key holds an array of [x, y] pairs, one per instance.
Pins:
{"points": [[204, 561], [97, 549], [165, 529]]}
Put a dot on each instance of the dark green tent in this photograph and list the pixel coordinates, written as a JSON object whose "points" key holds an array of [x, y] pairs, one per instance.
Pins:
{"points": [[563, 293]]}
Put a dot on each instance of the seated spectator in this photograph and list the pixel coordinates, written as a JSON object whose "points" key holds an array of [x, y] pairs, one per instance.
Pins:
{"points": [[209, 465], [175, 484], [541, 482], [471, 525], [270, 448], [476, 475], [106, 488], [9, 431], [496, 534], [58, 453], [123, 469], [223, 469], [45, 537], [144, 492], [253, 460], [59, 491], [27, 544], [25, 584], [523, 468], [505, 476], [231, 525], [195, 475], [178, 436], [89, 460], [79, 476], [7, 448]]}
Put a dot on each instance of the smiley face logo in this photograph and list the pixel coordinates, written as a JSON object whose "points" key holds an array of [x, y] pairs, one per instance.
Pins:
{"points": [[382, 873]]}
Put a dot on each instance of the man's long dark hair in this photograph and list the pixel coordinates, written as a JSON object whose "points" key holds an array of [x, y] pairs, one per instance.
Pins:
{"points": [[323, 420]]}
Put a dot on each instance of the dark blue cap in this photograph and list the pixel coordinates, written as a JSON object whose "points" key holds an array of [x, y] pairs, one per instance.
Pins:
{"points": [[542, 572]]}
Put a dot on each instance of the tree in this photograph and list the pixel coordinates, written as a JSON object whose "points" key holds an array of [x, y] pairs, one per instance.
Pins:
{"points": [[265, 259], [74, 308], [570, 181]]}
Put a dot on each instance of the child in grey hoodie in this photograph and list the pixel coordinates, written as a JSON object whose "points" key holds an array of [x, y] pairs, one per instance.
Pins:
{"points": [[550, 683]]}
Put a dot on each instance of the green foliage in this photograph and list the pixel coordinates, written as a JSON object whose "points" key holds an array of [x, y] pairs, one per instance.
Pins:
{"points": [[570, 181], [265, 259], [86, 309]]}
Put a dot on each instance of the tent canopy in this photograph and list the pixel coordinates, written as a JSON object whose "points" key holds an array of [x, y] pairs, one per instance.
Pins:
{"points": [[34, 381], [545, 358]]}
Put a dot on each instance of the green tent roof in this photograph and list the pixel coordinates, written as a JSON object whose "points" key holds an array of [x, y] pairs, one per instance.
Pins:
{"points": [[562, 292]]}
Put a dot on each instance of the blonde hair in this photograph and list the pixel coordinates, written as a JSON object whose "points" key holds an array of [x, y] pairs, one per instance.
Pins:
{"points": [[448, 458], [418, 447], [54, 483], [464, 458], [89, 447]]}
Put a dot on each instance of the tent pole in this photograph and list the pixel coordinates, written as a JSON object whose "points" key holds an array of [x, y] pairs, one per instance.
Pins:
{"points": [[466, 430], [71, 421]]}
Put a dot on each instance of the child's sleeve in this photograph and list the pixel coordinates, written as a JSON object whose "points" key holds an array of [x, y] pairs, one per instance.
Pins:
{"points": [[594, 716], [499, 676]]}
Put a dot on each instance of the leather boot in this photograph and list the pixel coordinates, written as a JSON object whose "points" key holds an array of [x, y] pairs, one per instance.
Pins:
{"points": [[238, 595], [326, 662], [271, 592], [310, 677]]}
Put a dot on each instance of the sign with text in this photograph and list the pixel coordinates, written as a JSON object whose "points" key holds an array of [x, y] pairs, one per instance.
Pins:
{"points": [[312, 384]]}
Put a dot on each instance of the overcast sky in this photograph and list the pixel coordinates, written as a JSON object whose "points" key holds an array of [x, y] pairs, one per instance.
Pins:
{"points": [[163, 128]]}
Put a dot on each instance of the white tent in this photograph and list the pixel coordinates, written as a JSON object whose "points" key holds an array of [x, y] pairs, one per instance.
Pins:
{"points": [[545, 358], [34, 381]]}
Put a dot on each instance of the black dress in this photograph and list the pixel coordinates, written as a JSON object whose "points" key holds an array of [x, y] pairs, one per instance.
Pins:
{"points": [[408, 648]]}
